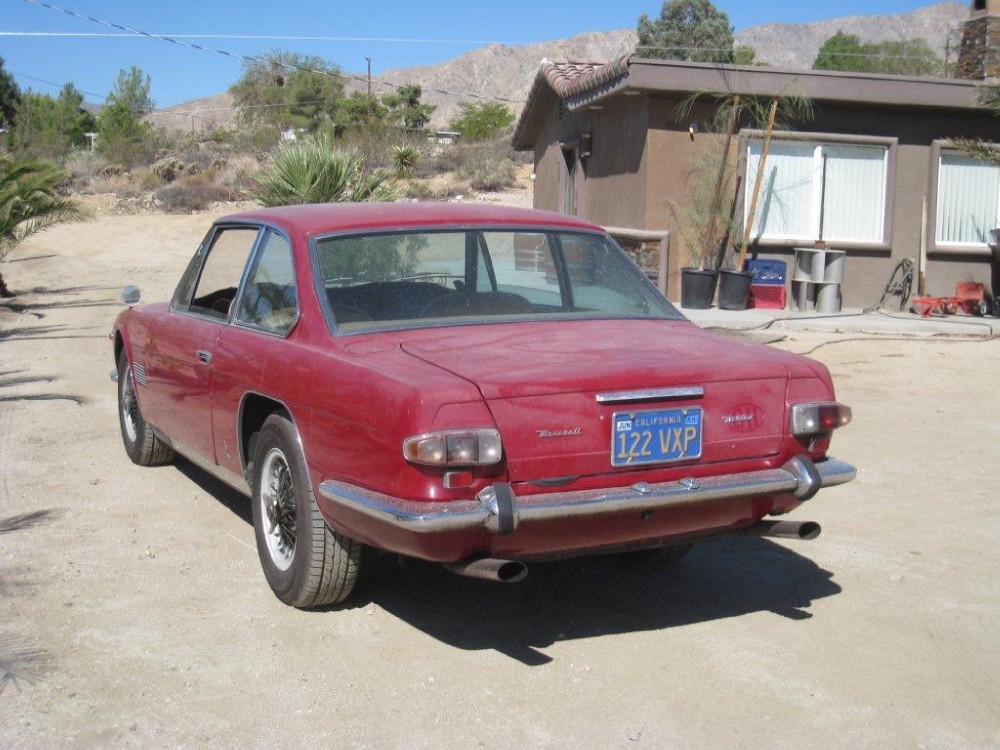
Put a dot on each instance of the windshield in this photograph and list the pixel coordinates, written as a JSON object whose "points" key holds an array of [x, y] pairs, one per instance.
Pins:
{"points": [[468, 276]]}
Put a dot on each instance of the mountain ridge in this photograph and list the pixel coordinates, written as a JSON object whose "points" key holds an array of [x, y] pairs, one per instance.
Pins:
{"points": [[505, 73]]}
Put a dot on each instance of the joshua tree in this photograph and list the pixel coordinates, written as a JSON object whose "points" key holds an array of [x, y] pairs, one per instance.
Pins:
{"points": [[29, 203]]}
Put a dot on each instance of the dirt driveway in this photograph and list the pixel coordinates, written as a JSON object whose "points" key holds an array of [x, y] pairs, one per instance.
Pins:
{"points": [[133, 611]]}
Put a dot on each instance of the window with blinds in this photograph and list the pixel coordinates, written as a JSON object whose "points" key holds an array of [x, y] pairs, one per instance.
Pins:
{"points": [[968, 200], [813, 191]]}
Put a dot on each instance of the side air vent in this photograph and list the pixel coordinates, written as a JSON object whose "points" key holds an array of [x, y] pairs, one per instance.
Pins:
{"points": [[139, 373]]}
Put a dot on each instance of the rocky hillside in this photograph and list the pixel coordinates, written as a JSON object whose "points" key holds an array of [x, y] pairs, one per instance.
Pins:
{"points": [[796, 45], [506, 72]]}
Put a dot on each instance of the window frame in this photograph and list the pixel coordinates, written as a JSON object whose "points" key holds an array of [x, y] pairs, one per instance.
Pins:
{"points": [[184, 292], [940, 147], [890, 144], [253, 262], [670, 311]]}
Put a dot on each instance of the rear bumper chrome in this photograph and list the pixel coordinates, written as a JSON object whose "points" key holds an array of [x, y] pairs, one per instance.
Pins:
{"points": [[496, 509]]}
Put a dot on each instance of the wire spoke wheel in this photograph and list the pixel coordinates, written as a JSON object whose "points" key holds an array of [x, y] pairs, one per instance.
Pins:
{"points": [[129, 407], [277, 499], [305, 562], [142, 444]]}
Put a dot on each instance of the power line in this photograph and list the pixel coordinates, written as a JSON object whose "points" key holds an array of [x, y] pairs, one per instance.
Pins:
{"points": [[251, 58], [264, 37], [54, 84]]}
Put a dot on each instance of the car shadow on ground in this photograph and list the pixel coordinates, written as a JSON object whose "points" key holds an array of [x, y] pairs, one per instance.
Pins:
{"points": [[576, 598], [235, 501], [600, 595]]}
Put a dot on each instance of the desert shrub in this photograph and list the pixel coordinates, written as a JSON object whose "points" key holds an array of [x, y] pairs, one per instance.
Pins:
{"points": [[433, 190], [237, 173], [190, 194], [313, 171], [83, 166], [440, 160], [485, 169], [168, 169], [405, 158], [108, 182]]}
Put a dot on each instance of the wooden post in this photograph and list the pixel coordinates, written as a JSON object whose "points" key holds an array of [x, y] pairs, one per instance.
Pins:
{"points": [[748, 229], [720, 177]]}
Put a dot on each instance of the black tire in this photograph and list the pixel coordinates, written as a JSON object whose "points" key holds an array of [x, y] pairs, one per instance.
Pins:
{"points": [[305, 562], [141, 443]]}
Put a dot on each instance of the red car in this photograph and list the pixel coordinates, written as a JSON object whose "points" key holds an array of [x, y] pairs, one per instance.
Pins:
{"points": [[478, 386]]}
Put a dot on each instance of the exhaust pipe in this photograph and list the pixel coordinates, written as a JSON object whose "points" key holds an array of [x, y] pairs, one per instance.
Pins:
{"points": [[786, 529], [490, 569]]}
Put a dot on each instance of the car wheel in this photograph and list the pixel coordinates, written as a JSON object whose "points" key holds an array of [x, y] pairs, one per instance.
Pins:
{"points": [[141, 443], [305, 562]]}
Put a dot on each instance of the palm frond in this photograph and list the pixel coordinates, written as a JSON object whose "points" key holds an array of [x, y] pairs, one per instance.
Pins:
{"points": [[29, 201], [981, 150]]}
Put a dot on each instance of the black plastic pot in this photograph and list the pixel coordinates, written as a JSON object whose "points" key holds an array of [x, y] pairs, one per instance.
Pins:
{"points": [[697, 288], [734, 289]]}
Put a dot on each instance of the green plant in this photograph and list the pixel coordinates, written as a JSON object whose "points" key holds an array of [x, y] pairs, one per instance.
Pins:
{"points": [[286, 90], [405, 158], [703, 221], [29, 202], [168, 169], [488, 169], [47, 127], [688, 30], [902, 57], [313, 171], [405, 108], [10, 96], [482, 120], [122, 134]]}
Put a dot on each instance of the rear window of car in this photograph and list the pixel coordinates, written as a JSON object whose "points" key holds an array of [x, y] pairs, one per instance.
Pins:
{"points": [[468, 276]]}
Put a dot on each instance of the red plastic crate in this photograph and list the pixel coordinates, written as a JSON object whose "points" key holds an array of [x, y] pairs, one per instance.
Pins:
{"points": [[767, 296]]}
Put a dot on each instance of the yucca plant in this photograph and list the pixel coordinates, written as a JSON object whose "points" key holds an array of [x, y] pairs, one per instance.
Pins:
{"points": [[29, 203], [313, 171], [405, 158]]}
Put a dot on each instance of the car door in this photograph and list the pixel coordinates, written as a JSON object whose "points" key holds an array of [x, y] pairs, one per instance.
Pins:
{"points": [[266, 312], [183, 348]]}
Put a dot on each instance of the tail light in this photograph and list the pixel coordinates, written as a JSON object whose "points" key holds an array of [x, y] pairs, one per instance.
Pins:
{"points": [[454, 448], [817, 418]]}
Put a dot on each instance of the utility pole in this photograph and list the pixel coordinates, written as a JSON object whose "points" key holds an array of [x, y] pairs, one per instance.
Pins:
{"points": [[369, 61]]}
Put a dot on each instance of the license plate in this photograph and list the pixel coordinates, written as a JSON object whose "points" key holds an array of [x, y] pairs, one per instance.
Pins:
{"points": [[653, 437]]}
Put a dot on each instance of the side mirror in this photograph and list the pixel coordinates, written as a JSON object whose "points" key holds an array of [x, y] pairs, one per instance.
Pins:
{"points": [[131, 295]]}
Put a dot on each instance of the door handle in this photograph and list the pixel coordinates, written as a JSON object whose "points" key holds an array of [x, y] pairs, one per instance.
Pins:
{"points": [[204, 357]]}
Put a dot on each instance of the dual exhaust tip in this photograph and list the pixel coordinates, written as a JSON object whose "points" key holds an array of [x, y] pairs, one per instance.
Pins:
{"points": [[513, 571]]}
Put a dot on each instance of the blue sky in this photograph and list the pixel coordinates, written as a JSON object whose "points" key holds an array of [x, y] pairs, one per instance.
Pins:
{"points": [[394, 34]]}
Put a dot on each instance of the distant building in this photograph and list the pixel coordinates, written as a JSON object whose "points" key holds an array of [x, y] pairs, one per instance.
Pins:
{"points": [[873, 172]]}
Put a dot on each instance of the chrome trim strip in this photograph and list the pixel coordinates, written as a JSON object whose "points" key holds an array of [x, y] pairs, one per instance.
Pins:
{"points": [[650, 394], [139, 373], [461, 515]]}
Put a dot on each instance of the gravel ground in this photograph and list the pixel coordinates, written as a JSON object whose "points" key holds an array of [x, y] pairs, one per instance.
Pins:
{"points": [[133, 611]]}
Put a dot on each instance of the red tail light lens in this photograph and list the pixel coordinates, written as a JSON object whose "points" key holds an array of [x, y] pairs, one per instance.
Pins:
{"points": [[817, 418], [454, 448]]}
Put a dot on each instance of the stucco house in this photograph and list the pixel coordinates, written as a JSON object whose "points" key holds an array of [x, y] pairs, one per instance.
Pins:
{"points": [[872, 172]]}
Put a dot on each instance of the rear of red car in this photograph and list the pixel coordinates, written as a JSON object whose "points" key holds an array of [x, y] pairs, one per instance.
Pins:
{"points": [[608, 436]]}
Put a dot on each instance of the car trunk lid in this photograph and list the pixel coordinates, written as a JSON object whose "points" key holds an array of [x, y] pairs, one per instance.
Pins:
{"points": [[575, 399]]}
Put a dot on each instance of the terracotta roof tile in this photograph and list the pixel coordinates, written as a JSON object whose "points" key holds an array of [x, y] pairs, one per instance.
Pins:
{"points": [[573, 78]]}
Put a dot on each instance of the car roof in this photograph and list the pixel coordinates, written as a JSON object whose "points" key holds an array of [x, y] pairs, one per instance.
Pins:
{"points": [[320, 218]]}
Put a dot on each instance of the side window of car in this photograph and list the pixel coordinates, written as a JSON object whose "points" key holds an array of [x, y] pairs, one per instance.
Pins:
{"points": [[270, 300], [221, 272]]}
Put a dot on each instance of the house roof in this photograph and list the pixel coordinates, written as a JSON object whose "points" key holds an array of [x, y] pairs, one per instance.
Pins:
{"points": [[581, 85]]}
